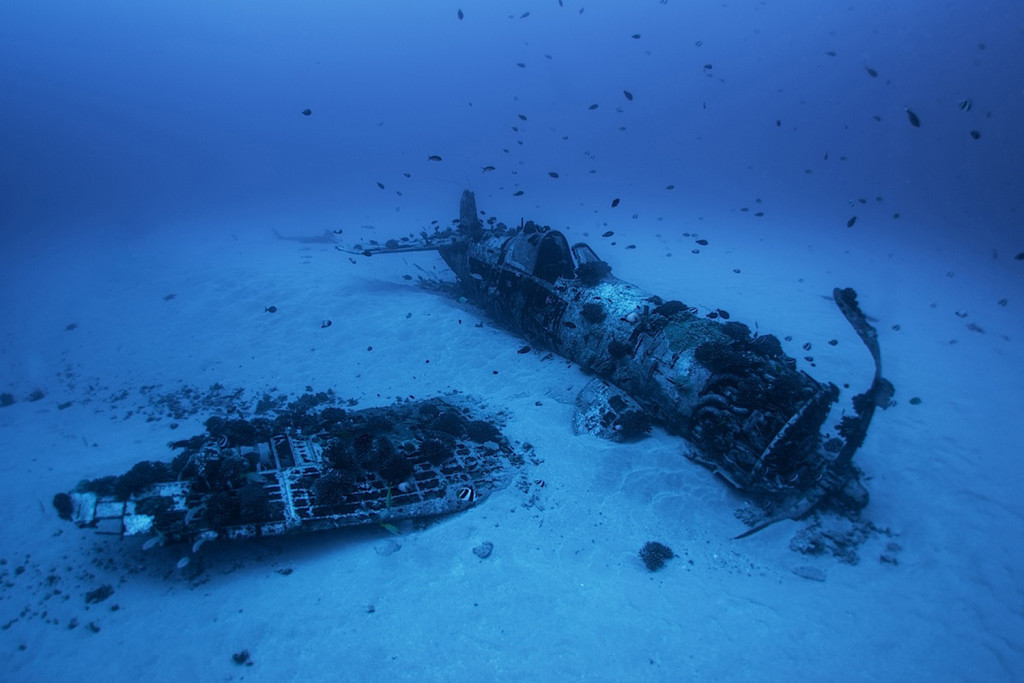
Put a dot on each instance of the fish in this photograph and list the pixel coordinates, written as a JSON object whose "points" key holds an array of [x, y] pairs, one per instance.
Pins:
{"points": [[871, 72], [203, 538], [487, 169], [629, 95], [520, 65], [670, 187], [517, 194], [975, 134], [552, 174], [467, 494], [460, 15], [615, 202], [407, 175], [307, 112], [592, 107], [434, 157], [635, 36], [849, 223], [270, 309], [965, 105], [380, 185], [325, 324], [912, 117], [609, 233], [522, 117]]}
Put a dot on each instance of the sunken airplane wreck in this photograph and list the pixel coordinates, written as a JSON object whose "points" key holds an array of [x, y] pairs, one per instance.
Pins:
{"points": [[306, 470], [750, 415]]}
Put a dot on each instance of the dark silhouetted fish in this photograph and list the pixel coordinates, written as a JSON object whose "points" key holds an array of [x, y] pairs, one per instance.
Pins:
{"points": [[629, 95], [871, 72], [307, 112], [434, 157], [912, 117]]}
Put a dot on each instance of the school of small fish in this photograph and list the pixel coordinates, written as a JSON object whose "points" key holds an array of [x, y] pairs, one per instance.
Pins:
{"points": [[516, 177]]}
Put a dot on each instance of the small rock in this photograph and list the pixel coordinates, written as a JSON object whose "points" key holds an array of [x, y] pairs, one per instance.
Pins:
{"points": [[891, 554], [654, 555], [484, 550], [388, 547], [100, 594]]}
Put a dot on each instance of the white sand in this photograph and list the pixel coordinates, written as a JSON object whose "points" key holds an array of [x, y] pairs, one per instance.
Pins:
{"points": [[564, 595]]}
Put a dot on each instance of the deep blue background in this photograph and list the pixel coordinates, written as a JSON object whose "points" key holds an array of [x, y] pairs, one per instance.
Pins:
{"points": [[132, 115]]}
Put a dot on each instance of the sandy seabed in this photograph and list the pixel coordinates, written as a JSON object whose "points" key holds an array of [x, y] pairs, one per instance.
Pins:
{"points": [[117, 333]]}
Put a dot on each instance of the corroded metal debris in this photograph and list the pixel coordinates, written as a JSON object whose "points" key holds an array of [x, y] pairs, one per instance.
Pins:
{"points": [[329, 469], [746, 409]]}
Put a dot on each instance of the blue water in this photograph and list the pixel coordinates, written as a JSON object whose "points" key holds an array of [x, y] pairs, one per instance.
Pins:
{"points": [[150, 149], [120, 111]]}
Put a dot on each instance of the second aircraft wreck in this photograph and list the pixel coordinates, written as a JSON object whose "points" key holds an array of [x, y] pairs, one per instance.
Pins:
{"points": [[750, 414]]}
